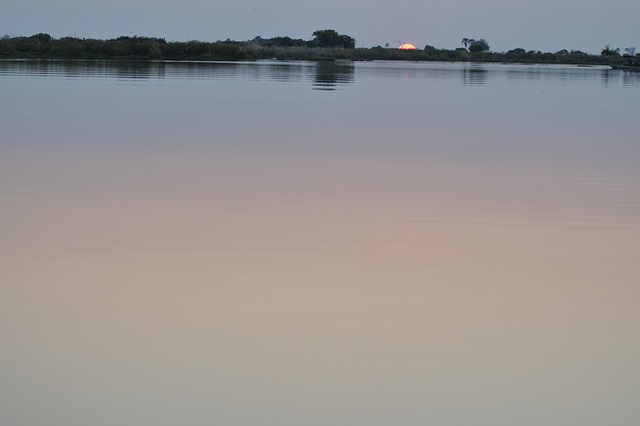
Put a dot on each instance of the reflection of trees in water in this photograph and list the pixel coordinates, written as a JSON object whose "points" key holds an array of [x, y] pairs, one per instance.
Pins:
{"points": [[124, 69], [328, 75], [630, 78], [613, 77], [138, 69], [474, 76]]}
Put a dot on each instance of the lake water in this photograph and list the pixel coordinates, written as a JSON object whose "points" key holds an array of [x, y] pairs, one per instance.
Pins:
{"points": [[289, 243]]}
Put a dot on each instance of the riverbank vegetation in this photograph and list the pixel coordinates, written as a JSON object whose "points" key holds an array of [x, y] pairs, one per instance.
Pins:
{"points": [[326, 45]]}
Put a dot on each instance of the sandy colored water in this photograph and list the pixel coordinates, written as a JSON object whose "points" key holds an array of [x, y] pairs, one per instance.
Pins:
{"points": [[270, 279]]}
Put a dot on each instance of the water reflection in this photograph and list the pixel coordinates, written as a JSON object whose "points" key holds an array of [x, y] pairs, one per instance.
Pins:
{"points": [[612, 77], [84, 69], [325, 75], [474, 76], [181, 241], [330, 75]]}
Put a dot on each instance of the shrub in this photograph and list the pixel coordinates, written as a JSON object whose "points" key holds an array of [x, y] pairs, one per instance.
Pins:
{"points": [[607, 51]]}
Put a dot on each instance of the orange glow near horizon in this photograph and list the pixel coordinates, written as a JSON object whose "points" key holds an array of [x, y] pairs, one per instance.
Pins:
{"points": [[407, 46]]}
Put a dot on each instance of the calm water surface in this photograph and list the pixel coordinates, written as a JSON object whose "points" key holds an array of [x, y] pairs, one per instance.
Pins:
{"points": [[318, 244]]}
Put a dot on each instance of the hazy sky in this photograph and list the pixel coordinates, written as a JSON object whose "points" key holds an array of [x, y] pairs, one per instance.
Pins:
{"points": [[546, 25]]}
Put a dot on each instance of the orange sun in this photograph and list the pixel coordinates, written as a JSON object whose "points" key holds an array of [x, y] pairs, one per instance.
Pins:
{"points": [[407, 46]]}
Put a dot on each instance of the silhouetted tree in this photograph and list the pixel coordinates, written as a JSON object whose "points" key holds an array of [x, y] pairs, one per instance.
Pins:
{"points": [[479, 46], [466, 42], [41, 37], [284, 42], [331, 38], [607, 51]]}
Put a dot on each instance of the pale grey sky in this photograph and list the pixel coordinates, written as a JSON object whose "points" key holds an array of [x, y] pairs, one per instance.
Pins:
{"points": [[546, 25]]}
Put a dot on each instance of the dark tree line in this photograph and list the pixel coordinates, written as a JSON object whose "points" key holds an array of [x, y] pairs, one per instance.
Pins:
{"points": [[44, 46], [322, 38], [325, 45]]}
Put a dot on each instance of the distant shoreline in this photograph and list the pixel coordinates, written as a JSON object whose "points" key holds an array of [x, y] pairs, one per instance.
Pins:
{"points": [[42, 46]]}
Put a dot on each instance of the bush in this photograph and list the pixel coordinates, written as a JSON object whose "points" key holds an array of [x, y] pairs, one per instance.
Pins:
{"points": [[330, 38], [610, 52], [479, 46]]}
